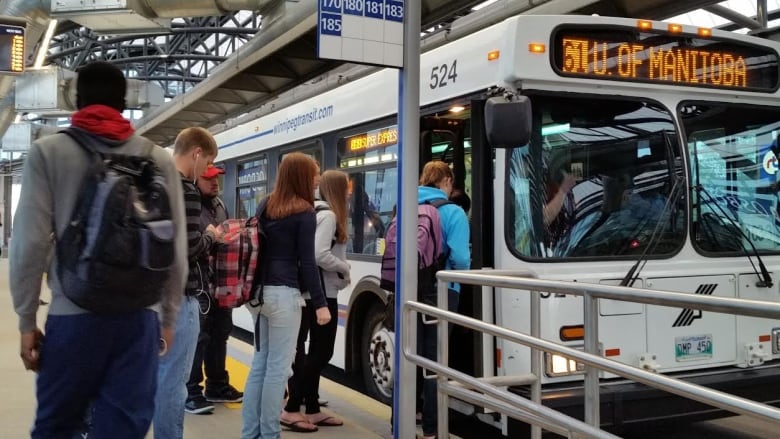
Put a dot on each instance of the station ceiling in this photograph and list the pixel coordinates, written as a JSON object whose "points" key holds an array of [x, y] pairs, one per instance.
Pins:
{"points": [[214, 69]]}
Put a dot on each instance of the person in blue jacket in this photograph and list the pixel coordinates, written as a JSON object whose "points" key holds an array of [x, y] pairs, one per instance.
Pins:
{"points": [[436, 183]]}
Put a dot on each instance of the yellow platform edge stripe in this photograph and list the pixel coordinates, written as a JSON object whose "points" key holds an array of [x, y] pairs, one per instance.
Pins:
{"points": [[238, 373]]}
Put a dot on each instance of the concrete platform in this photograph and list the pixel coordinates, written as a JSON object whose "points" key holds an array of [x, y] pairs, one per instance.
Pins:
{"points": [[364, 418]]}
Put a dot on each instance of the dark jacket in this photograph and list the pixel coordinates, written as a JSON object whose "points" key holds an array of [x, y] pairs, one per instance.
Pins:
{"points": [[290, 253], [214, 212]]}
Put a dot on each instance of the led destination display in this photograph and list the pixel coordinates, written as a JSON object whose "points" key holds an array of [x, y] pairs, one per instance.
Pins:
{"points": [[668, 59], [373, 139]]}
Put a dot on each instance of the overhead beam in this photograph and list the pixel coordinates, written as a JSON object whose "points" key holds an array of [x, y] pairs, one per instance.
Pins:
{"points": [[733, 16]]}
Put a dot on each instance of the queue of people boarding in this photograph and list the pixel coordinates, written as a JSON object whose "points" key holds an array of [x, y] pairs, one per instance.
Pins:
{"points": [[126, 235]]}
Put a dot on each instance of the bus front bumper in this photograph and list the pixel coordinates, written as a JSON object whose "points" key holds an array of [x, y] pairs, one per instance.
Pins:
{"points": [[626, 404]]}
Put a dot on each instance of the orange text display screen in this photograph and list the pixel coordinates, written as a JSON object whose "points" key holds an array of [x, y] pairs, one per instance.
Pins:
{"points": [[11, 49], [667, 59]]}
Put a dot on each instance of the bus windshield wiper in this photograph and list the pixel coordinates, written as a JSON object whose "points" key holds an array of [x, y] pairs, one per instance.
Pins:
{"points": [[652, 243], [764, 279]]}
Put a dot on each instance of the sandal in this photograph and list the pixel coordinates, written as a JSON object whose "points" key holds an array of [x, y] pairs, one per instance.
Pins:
{"points": [[299, 426], [329, 421]]}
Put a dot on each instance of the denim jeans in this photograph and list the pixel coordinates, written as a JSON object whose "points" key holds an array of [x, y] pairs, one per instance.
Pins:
{"points": [[276, 330], [101, 363], [174, 371]]}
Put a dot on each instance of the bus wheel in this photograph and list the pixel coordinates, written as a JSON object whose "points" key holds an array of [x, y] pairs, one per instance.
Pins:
{"points": [[377, 355]]}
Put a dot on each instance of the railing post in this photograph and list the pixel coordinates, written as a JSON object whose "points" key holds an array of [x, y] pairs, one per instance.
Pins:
{"points": [[443, 354], [591, 318], [536, 357]]}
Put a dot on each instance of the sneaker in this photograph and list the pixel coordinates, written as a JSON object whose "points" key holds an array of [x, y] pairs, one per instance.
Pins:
{"points": [[198, 406], [225, 394]]}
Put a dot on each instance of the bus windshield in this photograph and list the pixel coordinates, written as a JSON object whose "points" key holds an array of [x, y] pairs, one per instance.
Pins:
{"points": [[734, 160], [598, 179]]}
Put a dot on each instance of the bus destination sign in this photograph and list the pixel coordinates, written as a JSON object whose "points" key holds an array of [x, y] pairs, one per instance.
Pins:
{"points": [[667, 59], [372, 140]]}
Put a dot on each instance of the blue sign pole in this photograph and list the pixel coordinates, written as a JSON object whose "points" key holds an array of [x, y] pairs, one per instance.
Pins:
{"points": [[404, 425]]}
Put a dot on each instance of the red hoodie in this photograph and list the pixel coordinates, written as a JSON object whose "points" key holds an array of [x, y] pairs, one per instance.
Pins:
{"points": [[103, 121]]}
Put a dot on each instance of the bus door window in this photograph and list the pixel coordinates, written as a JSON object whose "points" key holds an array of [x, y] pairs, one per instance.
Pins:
{"points": [[446, 137], [251, 185]]}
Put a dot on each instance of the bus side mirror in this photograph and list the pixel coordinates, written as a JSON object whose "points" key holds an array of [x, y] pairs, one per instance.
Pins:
{"points": [[508, 122]]}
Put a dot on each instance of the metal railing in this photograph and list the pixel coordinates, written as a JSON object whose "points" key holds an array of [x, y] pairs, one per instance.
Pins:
{"points": [[487, 392]]}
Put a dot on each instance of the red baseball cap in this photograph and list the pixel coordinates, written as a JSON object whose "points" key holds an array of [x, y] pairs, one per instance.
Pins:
{"points": [[212, 171]]}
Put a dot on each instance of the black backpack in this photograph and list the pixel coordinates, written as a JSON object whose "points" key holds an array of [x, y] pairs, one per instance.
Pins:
{"points": [[117, 250]]}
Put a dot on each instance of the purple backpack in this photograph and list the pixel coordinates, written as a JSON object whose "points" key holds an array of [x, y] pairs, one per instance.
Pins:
{"points": [[431, 256]]}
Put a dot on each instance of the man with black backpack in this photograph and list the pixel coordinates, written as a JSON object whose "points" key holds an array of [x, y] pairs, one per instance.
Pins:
{"points": [[104, 334]]}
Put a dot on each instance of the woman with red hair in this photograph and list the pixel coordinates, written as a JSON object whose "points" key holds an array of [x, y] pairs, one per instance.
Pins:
{"points": [[288, 266]]}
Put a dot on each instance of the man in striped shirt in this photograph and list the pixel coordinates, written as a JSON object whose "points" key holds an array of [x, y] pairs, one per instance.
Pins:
{"points": [[194, 150]]}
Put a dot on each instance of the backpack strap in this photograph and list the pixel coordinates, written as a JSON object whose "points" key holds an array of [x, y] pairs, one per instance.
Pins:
{"points": [[264, 259], [222, 205], [322, 208], [84, 140], [438, 202], [90, 142]]}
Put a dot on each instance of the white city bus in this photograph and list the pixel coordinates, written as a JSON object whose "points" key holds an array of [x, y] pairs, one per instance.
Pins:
{"points": [[667, 136]]}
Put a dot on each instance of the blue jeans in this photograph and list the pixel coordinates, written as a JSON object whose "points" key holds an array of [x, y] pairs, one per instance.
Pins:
{"points": [[174, 371], [276, 330], [101, 362]]}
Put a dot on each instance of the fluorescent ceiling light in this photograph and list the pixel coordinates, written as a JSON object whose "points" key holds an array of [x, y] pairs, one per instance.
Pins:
{"points": [[43, 50], [555, 129]]}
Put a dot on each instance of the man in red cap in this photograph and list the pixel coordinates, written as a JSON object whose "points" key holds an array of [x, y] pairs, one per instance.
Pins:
{"points": [[215, 323]]}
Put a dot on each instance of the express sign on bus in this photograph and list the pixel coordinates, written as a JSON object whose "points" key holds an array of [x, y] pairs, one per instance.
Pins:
{"points": [[669, 59]]}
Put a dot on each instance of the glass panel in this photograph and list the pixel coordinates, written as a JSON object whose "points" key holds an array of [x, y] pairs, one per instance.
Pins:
{"points": [[597, 180], [312, 151], [248, 199], [442, 148], [252, 185], [734, 170], [371, 208]]}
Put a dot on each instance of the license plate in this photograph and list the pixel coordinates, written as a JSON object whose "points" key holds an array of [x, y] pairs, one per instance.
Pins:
{"points": [[693, 347]]}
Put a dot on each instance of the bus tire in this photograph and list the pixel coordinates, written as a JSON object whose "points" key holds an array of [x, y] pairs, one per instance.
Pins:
{"points": [[377, 350]]}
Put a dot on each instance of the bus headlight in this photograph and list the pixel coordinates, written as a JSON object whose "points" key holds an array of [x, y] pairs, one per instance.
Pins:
{"points": [[557, 365]]}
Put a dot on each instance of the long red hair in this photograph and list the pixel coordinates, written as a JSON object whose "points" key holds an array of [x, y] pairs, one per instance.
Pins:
{"points": [[294, 189]]}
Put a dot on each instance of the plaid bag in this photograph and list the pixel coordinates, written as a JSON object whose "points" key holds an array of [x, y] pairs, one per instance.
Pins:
{"points": [[235, 261]]}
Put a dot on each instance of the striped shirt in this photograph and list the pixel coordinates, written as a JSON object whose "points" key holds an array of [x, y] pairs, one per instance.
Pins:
{"points": [[198, 240]]}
